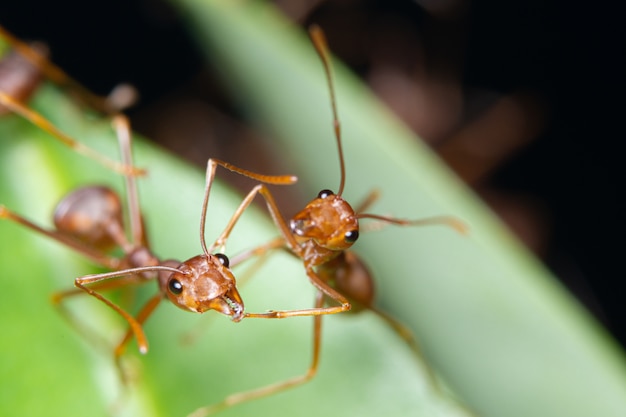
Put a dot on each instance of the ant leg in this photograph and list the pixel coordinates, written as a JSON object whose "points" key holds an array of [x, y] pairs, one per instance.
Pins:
{"points": [[81, 283], [316, 311], [402, 331], [407, 335], [145, 312], [95, 255], [220, 242], [287, 238], [124, 136], [268, 390], [210, 176], [107, 105], [86, 331], [434, 381], [44, 124], [93, 337]]}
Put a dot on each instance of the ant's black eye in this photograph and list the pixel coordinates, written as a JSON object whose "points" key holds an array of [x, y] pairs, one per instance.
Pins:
{"points": [[324, 193], [351, 236], [175, 286], [223, 259]]}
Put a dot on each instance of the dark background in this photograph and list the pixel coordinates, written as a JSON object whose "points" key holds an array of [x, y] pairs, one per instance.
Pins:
{"points": [[538, 86]]}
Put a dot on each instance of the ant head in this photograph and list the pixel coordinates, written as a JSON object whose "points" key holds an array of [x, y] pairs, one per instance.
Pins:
{"points": [[90, 214], [205, 283], [328, 220]]}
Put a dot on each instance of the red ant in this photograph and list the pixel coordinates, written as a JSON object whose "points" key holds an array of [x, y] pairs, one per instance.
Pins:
{"points": [[321, 235]]}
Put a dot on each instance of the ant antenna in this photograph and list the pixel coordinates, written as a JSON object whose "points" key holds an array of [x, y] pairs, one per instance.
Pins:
{"points": [[212, 165], [321, 46]]}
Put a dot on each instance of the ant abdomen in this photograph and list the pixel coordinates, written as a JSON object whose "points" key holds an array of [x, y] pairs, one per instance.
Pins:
{"points": [[351, 277], [93, 215]]}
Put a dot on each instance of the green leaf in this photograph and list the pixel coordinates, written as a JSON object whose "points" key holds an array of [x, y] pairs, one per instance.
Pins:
{"points": [[489, 317]]}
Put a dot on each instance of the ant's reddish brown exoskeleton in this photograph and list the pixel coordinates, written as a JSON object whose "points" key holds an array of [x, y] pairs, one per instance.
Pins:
{"points": [[321, 235]]}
